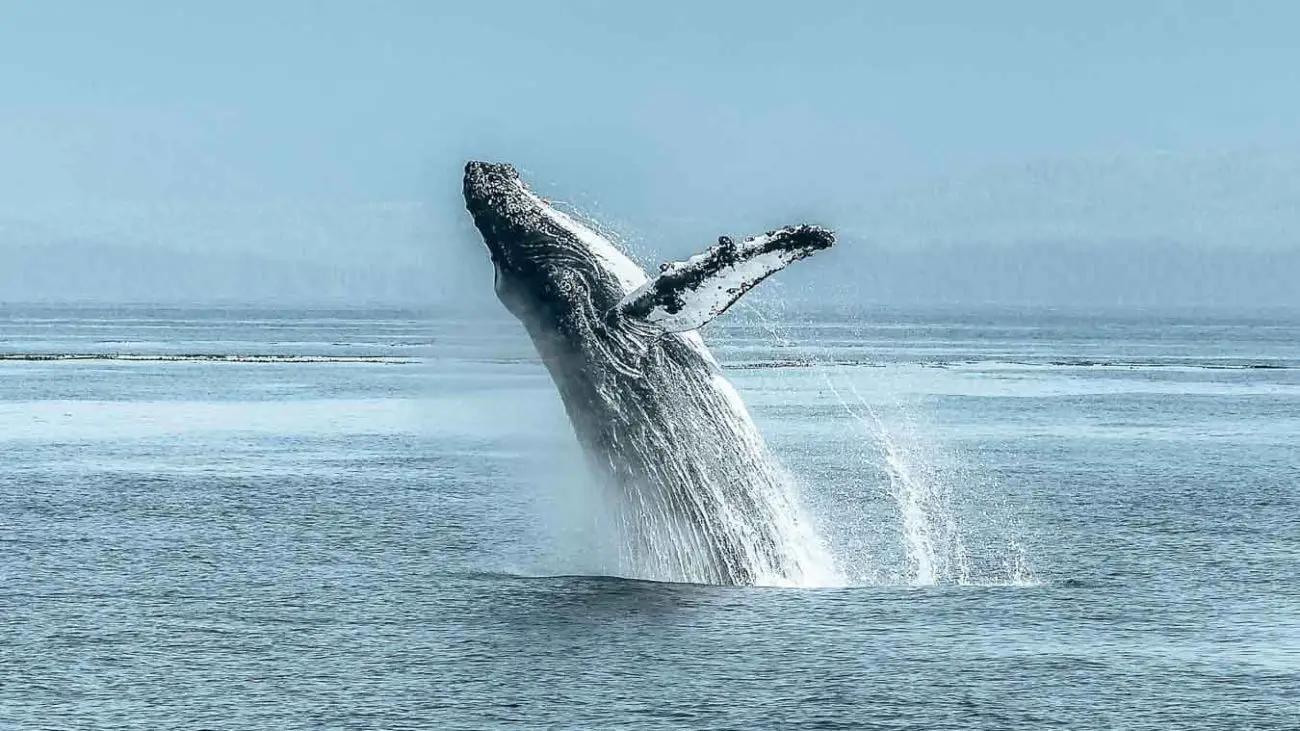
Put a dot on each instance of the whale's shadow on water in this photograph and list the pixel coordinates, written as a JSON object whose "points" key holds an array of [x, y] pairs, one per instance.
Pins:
{"points": [[565, 614], [592, 596], [578, 595]]}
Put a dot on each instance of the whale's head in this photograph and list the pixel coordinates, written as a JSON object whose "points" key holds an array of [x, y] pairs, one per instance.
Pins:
{"points": [[551, 271]]}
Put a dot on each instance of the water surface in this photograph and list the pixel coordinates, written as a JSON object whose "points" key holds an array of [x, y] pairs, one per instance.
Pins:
{"points": [[379, 519]]}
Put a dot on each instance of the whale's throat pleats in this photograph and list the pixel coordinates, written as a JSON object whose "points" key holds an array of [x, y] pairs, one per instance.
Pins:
{"points": [[703, 499]]}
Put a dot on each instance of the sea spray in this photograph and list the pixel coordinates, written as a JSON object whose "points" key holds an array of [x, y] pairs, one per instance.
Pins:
{"points": [[942, 521]]}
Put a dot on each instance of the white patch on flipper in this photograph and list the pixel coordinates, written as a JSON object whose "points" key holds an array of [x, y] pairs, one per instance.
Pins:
{"points": [[628, 273], [715, 293]]}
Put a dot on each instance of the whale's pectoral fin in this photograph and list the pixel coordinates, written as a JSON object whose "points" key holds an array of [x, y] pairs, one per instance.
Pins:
{"points": [[687, 294]]}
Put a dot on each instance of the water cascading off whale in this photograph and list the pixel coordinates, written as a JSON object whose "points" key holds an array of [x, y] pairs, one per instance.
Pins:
{"points": [[702, 498]]}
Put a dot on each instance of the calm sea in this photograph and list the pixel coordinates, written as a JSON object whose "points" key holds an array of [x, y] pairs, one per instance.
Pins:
{"points": [[248, 519]]}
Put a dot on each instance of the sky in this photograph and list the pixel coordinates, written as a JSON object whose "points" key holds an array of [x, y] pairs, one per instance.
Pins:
{"points": [[1012, 152]]}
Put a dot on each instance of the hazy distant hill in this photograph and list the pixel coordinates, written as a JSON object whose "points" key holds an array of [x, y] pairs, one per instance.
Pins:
{"points": [[1077, 274], [99, 273], [1148, 275]]}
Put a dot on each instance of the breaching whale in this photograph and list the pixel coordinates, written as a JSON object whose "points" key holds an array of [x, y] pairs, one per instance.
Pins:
{"points": [[702, 498]]}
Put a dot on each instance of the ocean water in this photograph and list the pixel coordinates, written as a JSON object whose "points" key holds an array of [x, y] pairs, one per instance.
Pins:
{"points": [[240, 518]]}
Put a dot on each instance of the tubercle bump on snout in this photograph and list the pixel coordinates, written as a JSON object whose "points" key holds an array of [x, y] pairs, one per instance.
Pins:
{"points": [[475, 168], [484, 180]]}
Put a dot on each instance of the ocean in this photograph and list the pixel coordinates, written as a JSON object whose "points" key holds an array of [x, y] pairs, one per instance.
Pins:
{"points": [[239, 518]]}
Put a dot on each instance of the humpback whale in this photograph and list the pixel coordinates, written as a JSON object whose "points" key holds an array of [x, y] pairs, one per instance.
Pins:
{"points": [[703, 500]]}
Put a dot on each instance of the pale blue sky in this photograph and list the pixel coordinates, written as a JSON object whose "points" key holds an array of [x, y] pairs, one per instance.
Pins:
{"points": [[335, 131]]}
